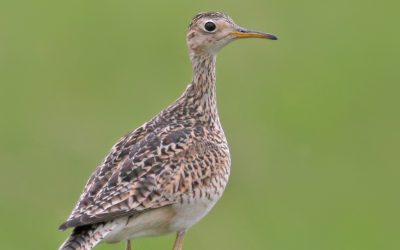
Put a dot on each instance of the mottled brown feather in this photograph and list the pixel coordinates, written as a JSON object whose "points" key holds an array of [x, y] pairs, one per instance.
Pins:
{"points": [[146, 177]]}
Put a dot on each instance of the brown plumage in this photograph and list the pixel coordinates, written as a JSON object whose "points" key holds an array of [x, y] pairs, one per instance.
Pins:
{"points": [[167, 174]]}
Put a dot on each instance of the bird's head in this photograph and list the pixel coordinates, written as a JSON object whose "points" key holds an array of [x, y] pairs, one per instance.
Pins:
{"points": [[210, 31]]}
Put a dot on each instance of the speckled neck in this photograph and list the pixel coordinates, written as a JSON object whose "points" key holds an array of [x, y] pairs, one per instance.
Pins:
{"points": [[198, 103], [201, 92]]}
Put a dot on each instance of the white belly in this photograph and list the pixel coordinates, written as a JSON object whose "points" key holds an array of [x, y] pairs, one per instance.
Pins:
{"points": [[161, 221], [190, 214]]}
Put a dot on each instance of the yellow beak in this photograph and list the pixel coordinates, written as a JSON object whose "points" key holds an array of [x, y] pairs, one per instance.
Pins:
{"points": [[244, 33]]}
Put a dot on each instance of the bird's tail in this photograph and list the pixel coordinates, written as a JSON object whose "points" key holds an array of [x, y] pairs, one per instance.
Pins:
{"points": [[86, 237]]}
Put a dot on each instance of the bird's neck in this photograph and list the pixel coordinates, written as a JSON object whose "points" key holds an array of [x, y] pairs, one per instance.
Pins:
{"points": [[201, 92], [198, 103]]}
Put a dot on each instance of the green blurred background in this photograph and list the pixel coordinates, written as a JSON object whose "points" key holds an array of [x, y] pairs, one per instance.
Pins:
{"points": [[312, 119]]}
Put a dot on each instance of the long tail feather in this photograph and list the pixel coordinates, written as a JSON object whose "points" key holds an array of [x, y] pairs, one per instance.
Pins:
{"points": [[86, 237]]}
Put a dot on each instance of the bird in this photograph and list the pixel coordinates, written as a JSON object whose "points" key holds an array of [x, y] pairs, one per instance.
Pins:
{"points": [[167, 174]]}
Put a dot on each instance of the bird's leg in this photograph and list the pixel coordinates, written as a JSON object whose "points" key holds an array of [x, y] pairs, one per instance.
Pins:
{"points": [[179, 240], [128, 245]]}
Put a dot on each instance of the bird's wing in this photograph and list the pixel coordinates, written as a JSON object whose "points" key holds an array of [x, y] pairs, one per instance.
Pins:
{"points": [[138, 176], [106, 169]]}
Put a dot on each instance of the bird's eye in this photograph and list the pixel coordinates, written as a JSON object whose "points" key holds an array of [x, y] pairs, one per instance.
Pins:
{"points": [[209, 26]]}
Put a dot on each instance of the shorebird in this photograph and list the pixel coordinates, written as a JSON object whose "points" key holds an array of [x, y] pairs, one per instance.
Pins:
{"points": [[167, 174]]}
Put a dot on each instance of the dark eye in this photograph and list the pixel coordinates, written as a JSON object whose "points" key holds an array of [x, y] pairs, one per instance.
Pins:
{"points": [[210, 26]]}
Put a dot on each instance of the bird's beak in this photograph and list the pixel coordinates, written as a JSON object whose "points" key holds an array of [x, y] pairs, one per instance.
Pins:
{"points": [[245, 33]]}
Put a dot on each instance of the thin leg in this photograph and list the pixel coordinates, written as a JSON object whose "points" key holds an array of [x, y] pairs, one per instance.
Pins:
{"points": [[179, 240], [128, 245]]}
